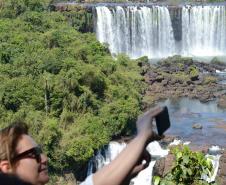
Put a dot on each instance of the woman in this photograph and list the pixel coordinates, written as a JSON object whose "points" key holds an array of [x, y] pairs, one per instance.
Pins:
{"points": [[20, 155]]}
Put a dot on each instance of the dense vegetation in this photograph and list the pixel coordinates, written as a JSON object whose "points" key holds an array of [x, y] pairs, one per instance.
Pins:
{"points": [[189, 168], [64, 84]]}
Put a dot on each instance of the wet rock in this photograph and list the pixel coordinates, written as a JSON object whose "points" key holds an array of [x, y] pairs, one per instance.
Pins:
{"points": [[159, 166], [197, 126], [222, 102], [195, 78], [221, 174], [159, 79], [204, 149], [182, 77], [165, 82], [204, 97], [163, 166], [218, 64], [189, 82], [168, 139], [153, 77], [198, 82]]}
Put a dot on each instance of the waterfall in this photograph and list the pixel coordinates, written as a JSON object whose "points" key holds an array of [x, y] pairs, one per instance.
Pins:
{"points": [[147, 31], [104, 157], [203, 30], [136, 31]]}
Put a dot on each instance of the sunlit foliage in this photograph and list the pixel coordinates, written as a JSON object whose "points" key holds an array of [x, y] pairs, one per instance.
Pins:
{"points": [[64, 84]]}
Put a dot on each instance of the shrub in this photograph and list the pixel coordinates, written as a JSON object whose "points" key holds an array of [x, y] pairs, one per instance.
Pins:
{"points": [[188, 169]]}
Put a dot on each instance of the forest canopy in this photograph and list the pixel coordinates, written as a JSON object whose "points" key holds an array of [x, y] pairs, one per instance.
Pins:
{"points": [[63, 83]]}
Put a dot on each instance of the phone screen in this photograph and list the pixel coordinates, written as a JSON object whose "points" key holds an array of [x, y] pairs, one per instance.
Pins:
{"points": [[162, 121]]}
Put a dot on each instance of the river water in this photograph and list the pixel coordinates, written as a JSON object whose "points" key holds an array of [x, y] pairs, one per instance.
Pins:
{"points": [[185, 112]]}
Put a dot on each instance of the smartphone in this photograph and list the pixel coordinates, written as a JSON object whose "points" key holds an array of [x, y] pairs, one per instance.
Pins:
{"points": [[162, 121]]}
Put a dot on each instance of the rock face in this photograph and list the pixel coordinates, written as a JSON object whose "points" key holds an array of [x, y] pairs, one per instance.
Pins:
{"points": [[167, 140], [182, 77], [222, 102], [221, 175], [163, 166]]}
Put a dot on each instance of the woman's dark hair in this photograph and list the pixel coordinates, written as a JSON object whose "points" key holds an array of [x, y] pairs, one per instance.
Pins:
{"points": [[9, 138]]}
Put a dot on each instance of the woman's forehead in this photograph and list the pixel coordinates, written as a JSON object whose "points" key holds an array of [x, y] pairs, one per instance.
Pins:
{"points": [[26, 142]]}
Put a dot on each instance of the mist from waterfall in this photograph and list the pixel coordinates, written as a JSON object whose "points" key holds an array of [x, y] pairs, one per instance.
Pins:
{"points": [[147, 31], [136, 31]]}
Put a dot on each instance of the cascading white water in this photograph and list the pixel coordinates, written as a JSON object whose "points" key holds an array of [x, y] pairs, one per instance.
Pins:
{"points": [[203, 31], [105, 157], [136, 31], [147, 31]]}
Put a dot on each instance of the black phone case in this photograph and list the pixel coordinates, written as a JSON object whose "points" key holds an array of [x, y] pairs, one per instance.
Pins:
{"points": [[162, 121]]}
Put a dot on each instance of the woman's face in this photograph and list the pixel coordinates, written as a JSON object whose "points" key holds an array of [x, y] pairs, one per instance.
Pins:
{"points": [[31, 165]]}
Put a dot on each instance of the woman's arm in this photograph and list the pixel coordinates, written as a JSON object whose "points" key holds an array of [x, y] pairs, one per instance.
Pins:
{"points": [[129, 161]]}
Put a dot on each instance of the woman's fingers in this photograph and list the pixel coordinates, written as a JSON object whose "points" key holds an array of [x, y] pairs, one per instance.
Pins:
{"points": [[155, 111], [142, 163], [146, 157], [150, 113], [137, 169]]}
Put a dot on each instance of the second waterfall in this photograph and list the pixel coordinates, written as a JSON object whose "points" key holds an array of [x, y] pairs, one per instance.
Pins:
{"points": [[162, 31]]}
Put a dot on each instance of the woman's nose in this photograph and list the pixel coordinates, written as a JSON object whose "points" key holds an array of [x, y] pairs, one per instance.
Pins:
{"points": [[44, 159]]}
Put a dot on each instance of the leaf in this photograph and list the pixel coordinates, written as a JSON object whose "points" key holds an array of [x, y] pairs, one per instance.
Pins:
{"points": [[157, 180], [189, 172], [185, 159], [179, 155]]}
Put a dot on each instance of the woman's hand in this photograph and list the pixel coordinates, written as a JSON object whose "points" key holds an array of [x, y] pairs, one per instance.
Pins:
{"points": [[140, 165], [144, 124]]}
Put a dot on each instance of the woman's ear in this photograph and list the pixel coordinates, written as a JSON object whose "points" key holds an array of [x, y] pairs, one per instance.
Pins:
{"points": [[5, 167]]}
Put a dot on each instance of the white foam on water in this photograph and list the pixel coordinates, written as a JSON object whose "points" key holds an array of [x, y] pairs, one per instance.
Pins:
{"points": [[175, 142], [156, 150], [215, 162], [145, 176]]}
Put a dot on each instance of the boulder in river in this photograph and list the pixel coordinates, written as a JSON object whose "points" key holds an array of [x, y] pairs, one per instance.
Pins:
{"points": [[197, 126], [222, 102], [221, 174]]}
